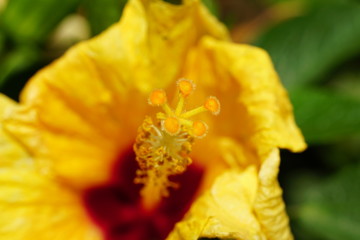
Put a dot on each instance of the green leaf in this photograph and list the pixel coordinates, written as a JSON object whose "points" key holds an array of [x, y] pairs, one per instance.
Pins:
{"points": [[305, 49], [347, 80], [28, 21], [2, 43], [17, 60], [325, 116], [103, 13], [330, 209]]}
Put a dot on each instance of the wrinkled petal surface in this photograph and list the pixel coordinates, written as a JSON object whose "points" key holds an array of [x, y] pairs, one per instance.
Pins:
{"points": [[32, 203], [256, 114], [256, 110], [10, 151], [242, 205], [269, 205], [224, 211]]}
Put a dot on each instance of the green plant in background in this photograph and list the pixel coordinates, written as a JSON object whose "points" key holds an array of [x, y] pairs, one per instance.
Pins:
{"points": [[25, 32], [102, 13], [306, 52], [24, 28], [317, 56]]}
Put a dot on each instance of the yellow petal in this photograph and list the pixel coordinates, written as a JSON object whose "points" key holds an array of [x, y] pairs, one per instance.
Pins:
{"points": [[9, 149], [83, 110], [32, 204], [6, 104], [244, 205], [220, 155], [255, 107], [269, 205], [225, 211]]}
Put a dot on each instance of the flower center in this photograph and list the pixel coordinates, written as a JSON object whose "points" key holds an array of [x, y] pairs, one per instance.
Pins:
{"points": [[116, 205], [163, 144]]}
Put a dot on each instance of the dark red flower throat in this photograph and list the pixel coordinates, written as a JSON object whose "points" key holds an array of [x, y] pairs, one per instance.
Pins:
{"points": [[116, 206]]}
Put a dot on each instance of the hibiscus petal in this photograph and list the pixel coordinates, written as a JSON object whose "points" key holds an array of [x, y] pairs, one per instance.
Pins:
{"points": [[10, 151], [269, 205], [256, 110], [244, 205], [84, 109], [31, 202], [225, 211]]}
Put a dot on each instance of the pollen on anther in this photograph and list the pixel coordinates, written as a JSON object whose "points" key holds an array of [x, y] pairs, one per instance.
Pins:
{"points": [[157, 97], [213, 105], [185, 86], [171, 125], [200, 129]]}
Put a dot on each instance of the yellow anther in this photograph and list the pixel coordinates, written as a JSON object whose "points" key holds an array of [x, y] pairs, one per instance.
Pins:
{"points": [[200, 129], [213, 105], [185, 86], [157, 97], [171, 125]]}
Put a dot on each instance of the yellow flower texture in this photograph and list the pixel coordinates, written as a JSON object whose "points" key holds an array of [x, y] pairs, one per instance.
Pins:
{"points": [[78, 120]]}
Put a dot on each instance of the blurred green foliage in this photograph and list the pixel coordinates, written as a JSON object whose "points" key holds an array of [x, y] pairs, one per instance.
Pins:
{"points": [[27, 21], [325, 116], [317, 55], [313, 44], [102, 13], [327, 207], [305, 51], [26, 27]]}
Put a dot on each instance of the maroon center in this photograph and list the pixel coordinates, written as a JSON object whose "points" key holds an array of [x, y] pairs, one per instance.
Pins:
{"points": [[116, 206]]}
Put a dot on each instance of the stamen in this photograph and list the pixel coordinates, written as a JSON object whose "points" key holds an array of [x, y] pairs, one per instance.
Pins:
{"points": [[185, 86], [171, 125], [157, 97], [213, 105], [200, 129], [163, 146]]}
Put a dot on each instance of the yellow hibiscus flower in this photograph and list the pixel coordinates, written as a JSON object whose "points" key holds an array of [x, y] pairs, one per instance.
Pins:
{"points": [[67, 165]]}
